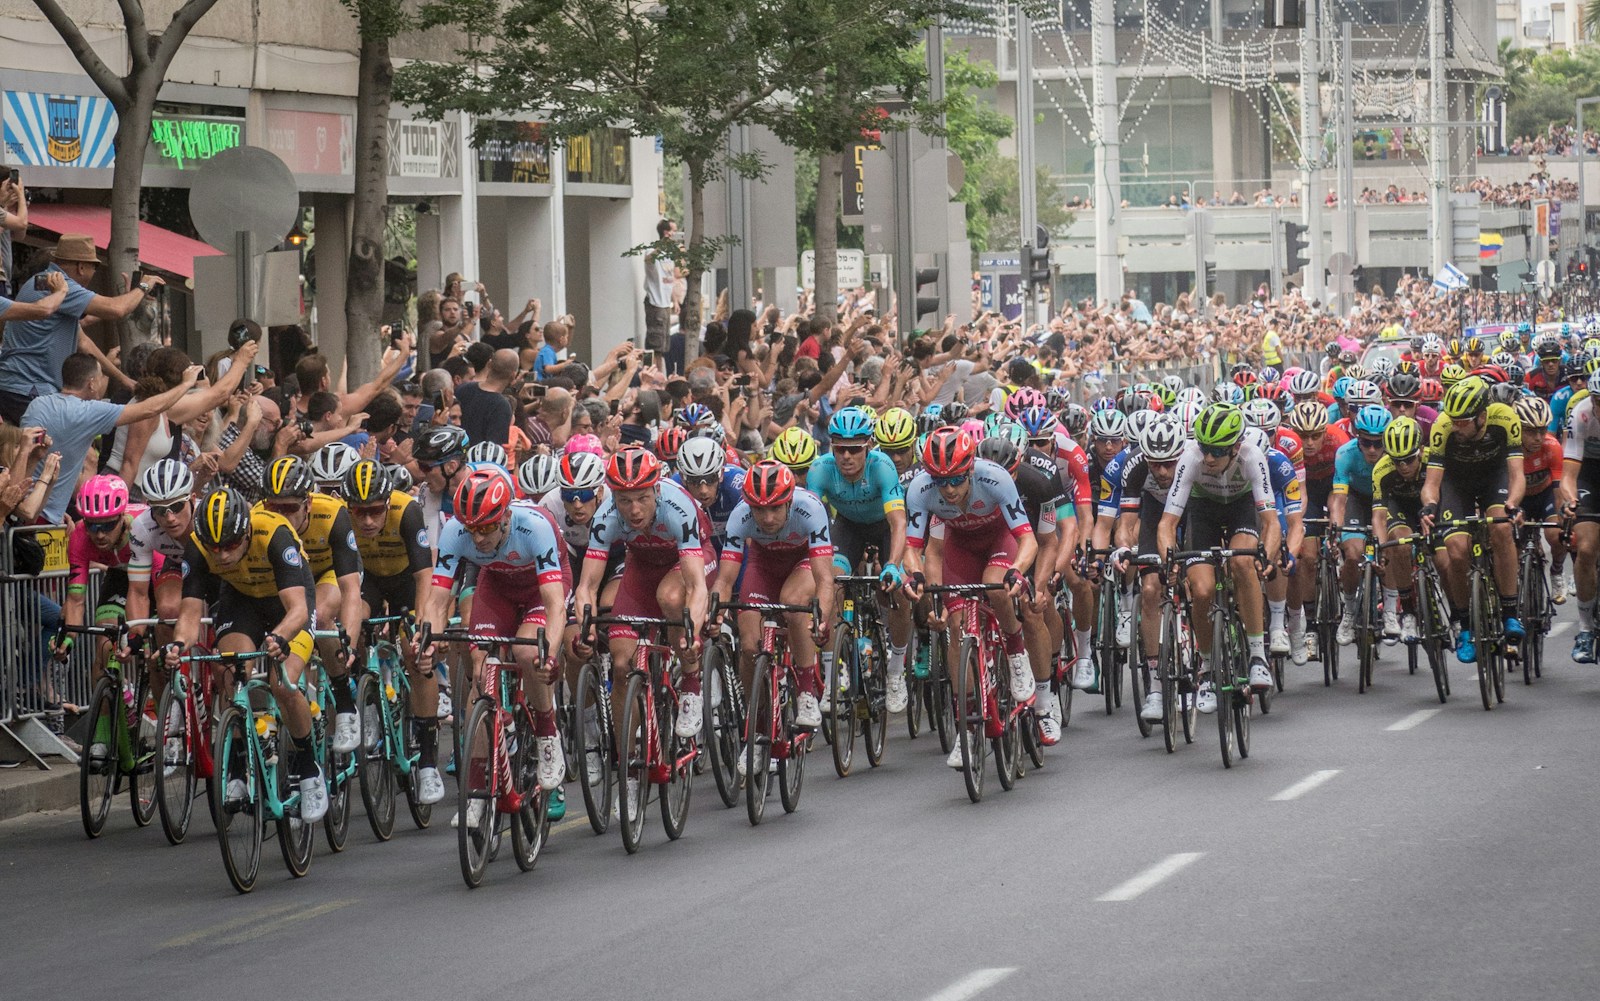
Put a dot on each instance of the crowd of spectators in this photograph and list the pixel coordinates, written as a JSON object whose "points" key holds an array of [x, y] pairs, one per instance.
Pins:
{"points": [[1521, 194]]}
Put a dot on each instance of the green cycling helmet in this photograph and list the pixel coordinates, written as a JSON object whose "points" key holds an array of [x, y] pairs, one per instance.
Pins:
{"points": [[1219, 425]]}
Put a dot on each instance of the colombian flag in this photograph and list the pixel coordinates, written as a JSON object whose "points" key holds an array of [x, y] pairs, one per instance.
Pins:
{"points": [[1489, 244]]}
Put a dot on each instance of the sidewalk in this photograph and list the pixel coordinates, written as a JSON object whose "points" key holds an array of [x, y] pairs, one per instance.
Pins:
{"points": [[26, 789]]}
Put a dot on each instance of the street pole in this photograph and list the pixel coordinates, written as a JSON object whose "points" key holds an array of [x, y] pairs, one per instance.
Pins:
{"points": [[1439, 181], [1345, 233], [1027, 178], [738, 188], [1311, 151], [1107, 156]]}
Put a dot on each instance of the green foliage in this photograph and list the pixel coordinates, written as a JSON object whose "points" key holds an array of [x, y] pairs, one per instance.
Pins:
{"points": [[806, 170], [1542, 86], [379, 19]]}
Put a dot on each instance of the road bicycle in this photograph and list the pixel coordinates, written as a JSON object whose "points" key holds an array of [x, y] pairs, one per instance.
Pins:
{"points": [[861, 670], [185, 713], [650, 753], [985, 710], [1327, 606], [338, 768], [496, 783], [1177, 661], [1483, 604], [389, 758], [1435, 633], [123, 746], [1109, 654], [595, 739], [1229, 661], [1533, 591]]}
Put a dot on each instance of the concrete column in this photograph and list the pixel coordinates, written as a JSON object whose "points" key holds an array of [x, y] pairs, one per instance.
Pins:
{"points": [[430, 256], [1224, 161], [332, 220], [616, 283], [491, 243], [530, 265]]}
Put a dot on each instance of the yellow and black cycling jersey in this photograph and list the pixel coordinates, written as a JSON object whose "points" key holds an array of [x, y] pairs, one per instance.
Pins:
{"points": [[329, 540], [401, 546], [1389, 487], [273, 562], [1501, 439]]}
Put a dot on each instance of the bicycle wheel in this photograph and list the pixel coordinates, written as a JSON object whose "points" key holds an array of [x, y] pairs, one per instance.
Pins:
{"points": [[1535, 601], [792, 766], [1189, 661], [375, 771], [840, 720], [675, 790], [596, 753], [97, 769], [176, 781], [1365, 598], [338, 772], [968, 703], [241, 820], [758, 739], [530, 822], [1480, 634], [296, 838], [916, 688], [1328, 614], [567, 726], [476, 780], [1224, 675], [1436, 635], [1171, 674], [1139, 681], [1104, 640], [942, 701], [874, 704], [144, 734], [411, 747], [634, 762], [1006, 750]]}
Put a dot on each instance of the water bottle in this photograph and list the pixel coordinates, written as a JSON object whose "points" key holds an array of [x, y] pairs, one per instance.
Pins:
{"points": [[866, 656], [267, 730]]}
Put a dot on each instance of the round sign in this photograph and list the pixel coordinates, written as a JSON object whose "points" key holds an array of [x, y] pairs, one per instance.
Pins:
{"points": [[244, 189]]}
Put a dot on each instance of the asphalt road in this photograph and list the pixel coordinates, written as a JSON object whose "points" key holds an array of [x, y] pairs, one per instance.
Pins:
{"points": [[1372, 846]]}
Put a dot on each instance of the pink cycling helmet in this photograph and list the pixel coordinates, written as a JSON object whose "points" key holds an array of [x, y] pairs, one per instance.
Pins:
{"points": [[585, 443], [103, 497], [973, 427]]}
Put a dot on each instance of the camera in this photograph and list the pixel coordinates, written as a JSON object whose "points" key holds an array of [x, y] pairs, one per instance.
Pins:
{"points": [[306, 429]]}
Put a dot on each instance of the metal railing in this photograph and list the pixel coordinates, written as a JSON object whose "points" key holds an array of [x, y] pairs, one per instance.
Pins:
{"points": [[33, 685], [1109, 379]]}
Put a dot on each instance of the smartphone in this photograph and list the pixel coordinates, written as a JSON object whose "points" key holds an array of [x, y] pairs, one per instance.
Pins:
{"points": [[647, 358], [41, 283], [135, 279], [615, 406], [16, 177], [536, 389], [742, 380], [423, 419]]}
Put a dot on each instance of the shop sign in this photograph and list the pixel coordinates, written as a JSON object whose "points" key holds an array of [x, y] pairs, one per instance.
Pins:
{"points": [[423, 149], [59, 130], [186, 142], [514, 153], [312, 142]]}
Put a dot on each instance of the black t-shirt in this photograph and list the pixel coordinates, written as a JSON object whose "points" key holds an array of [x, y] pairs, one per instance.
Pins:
{"points": [[1037, 484], [485, 416]]}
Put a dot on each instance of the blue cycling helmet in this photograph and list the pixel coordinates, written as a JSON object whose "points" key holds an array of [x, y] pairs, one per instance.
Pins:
{"points": [[1038, 422], [1103, 403], [1372, 420], [694, 415], [1340, 386], [850, 424]]}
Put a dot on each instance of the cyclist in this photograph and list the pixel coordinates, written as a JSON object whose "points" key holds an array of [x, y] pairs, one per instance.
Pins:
{"points": [[1541, 462], [392, 535], [1397, 480], [778, 537], [168, 488], [1222, 494], [1580, 497], [795, 448], [665, 573], [330, 464], [322, 524], [1108, 441], [863, 488], [440, 455], [1403, 396], [1475, 466], [1288, 497], [976, 498], [896, 434], [252, 560], [714, 483], [538, 477], [1549, 377], [1350, 506], [521, 591]]}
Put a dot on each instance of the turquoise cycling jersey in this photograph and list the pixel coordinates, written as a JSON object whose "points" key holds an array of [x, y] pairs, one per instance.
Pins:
{"points": [[865, 501], [1352, 473]]}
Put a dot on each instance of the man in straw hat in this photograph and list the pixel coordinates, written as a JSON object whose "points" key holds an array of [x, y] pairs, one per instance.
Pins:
{"points": [[56, 301]]}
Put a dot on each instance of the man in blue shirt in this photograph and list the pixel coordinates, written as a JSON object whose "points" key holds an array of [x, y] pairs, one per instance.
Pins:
{"points": [[74, 417], [36, 345]]}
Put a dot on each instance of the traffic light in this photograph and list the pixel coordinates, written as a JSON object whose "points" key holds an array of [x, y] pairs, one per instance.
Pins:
{"points": [[1036, 261], [1283, 14], [927, 303], [1296, 246]]}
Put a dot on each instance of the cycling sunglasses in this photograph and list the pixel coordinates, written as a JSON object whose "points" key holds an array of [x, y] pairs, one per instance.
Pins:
{"points": [[479, 531], [102, 527], [848, 449], [369, 510], [1366, 443], [284, 507], [176, 507], [577, 496], [688, 481], [949, 481], [1217, 451]]}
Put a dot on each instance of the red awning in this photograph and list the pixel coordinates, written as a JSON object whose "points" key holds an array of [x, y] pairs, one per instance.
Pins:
{"points": [[159, 248]]}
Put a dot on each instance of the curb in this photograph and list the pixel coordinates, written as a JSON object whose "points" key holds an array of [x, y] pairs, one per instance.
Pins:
{"points": [[25, 790]]}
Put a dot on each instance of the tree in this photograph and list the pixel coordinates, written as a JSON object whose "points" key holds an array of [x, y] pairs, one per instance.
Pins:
{"points": [[133, 95], [378, 21], [974, 133]]}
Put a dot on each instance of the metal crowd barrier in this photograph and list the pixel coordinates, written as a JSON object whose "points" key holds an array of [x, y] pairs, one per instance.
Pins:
{"points": [[1108, 380], [30, 679]]}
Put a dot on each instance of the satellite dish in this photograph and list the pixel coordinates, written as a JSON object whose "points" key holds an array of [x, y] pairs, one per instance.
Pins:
{"points": [[244, 189]]}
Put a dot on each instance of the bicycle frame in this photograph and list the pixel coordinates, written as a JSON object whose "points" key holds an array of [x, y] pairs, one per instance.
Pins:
{"points": [[385, 663]]}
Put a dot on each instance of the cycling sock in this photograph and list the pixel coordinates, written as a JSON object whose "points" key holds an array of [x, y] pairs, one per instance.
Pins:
{"points": [[1508, 606], [427, 741], [1297, 619], [544, 722], [1350, 604], [897, 660], [806, 678], [690, 684], [1407, 599], [827, 669], [1391, 599], [1257, 644], [305, 761], [344, 700], [1014, 644], [1278, 609], [1081, 637], [1586, 615]]}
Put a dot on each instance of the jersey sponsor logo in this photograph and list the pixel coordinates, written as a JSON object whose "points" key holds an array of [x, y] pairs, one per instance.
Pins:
{"points": [[291, 556], [1014, 510], [185, 568], [422, 537], [546, 561], [913, 519], [350, 540], [819, 535], [977, 505]]}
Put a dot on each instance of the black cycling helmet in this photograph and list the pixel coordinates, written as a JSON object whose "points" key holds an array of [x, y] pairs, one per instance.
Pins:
{"points": [[440, 444], [223, 518], [368, 482], [289, 476]]}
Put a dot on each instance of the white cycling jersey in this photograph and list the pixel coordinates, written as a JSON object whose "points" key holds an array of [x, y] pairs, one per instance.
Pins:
{"points": [[1248, 473]]}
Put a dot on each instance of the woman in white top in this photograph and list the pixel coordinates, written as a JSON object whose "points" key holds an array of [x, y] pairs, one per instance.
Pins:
{"points": [[152, 440]]}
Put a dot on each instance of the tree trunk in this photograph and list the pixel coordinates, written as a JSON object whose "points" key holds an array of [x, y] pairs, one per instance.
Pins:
{"points": [[127, 175], [830, 175], [363, 305], [689, 319]]}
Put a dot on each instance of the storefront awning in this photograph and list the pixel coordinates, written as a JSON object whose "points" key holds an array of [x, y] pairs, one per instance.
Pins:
{"points": [[159, 248]]}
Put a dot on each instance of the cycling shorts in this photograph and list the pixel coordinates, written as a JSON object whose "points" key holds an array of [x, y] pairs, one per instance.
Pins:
{"points": [[966, 558], [1589, 490], [1150, 508], [394, 595], [1357, 517], [637, 595], [503, 602], [1541, 505], [254, 618], [851, 540], [765, 573], [1458, 499], [1208, 523], [1316, 509]]}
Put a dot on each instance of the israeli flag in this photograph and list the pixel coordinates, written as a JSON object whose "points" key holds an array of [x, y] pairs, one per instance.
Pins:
{"points": [[1450, 278]]}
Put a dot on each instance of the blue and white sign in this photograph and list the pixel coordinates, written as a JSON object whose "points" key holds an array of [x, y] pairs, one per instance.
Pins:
{"points": [[59, 130]]}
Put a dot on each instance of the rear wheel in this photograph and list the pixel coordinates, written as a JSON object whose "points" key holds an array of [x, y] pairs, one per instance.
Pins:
{"points": [[1365, 640], [792, 766], [634, 764], [1007, 749], [596, 775], [675, 791], [724, 719], [144, 734], [296, 838], [841, 717], [337, 773], [916, 688], [1480, 636], [175, 775], [1224, 675], [411, 747], [1171, 677], [874, 706], [375, 770], [1140, 678], [941, 700], [475, 785], [241, 820], [1328, 614], [97, 773], [758, 739], [968, 703]]}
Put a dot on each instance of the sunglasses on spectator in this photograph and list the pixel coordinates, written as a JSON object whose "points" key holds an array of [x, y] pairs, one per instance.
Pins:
{"points": [[370, 510], [577, 496], [949, 481], [849, 449], [284, 507], [177, 507], [102, 527], [1217, 451]]}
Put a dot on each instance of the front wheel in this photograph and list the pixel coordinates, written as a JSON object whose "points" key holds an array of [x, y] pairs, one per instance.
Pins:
{"points": [[841, 718], [97, 768], [968, 706], [530, 822], [675, 791], [475, 786], [597, 775], [1224, 679], [874, 706], [724, 718], [758, 739], [1480, 636], [144, 734], [635, 762], [375, 771], [237, 799], [175, 784], [792, 766]]}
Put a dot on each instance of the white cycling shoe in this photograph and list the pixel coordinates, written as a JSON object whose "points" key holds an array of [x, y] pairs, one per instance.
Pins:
{"points": [[313, 798], [552, 768], [1021, 678], [1153, 709], [346, 732], [691, 710], [1391, 625], [896, 697], [807, 713], [1260, 674], [1205, 700], [1299, 649], [1280, 643], [1346, 633], [430, 786], [1083, 674]]}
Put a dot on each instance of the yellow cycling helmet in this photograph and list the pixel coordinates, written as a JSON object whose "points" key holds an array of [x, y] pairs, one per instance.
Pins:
{"points": [[896, 429], [1466, 399], [1451, 374], [795, 448], [1403, 438]]}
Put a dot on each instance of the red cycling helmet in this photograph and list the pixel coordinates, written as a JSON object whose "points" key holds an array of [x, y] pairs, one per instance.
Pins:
{"points": [[1270, 391], [483, 497], [633, 468], [1491, 374], [669, 441], [768, 484], [1245, 378], [949, 452]]}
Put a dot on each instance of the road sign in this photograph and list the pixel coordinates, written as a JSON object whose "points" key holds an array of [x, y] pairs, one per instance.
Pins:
{"points": [[852, 265], [244, 190]]}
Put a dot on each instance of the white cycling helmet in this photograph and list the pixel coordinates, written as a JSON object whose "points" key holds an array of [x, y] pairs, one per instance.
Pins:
{"points": [[331, 462], [166, 482], [1193, 394], [487, 451], [1263, 414], [582, 471], [1305, 384], [1257, 437], [1187, 413], [701, 457], [1164, 438], [1108, 424], [1360, 393], [1139, 424], [539, 475]]}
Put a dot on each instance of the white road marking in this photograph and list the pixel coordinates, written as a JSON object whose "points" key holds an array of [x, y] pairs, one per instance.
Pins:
{"points": [[184, 941], [1168, 866], [973, 984], [249, 934], [1420, 716], [1305, 785], [1559, 628]]}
